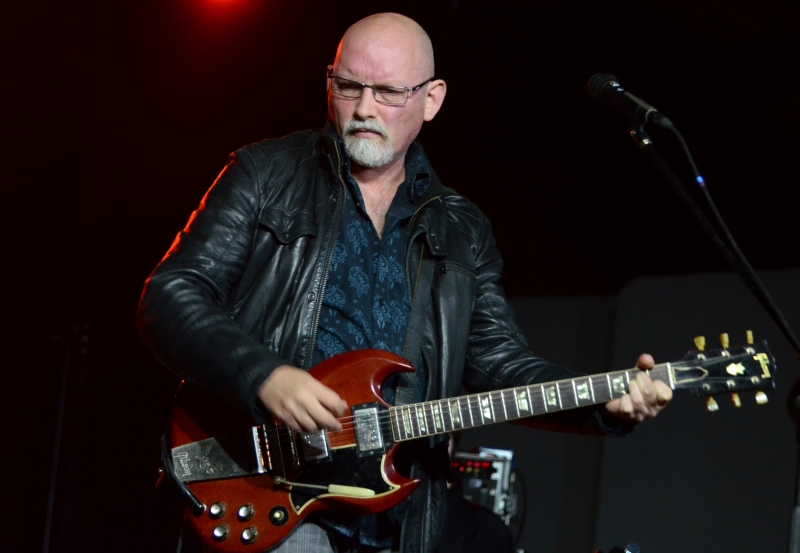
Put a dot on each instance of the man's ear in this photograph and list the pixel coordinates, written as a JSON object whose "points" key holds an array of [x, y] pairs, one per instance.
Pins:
{"points": [[434, 99]]}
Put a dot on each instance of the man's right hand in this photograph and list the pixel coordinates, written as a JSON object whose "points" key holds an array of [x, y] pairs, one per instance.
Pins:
{"points": [[301, 401]]}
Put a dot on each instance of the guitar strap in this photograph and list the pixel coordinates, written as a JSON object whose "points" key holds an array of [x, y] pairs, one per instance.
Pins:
{"points": [[415, 329]]}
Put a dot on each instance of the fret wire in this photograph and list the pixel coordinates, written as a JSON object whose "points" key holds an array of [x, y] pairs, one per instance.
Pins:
{"points": [[503, 400], [442, 405], [558, 393], [469, 409], [591, 390], [391, 425], [516, 403], [610, 391], [437, 410], [530, 400], [491, 408], [409, 425], [544, 399]]}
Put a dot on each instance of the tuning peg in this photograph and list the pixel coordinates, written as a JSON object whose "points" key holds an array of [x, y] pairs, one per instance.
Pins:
{"points": [[761, 397], [749, 337], [711, 405], [700, 343], [737, 401], [723, 339]]}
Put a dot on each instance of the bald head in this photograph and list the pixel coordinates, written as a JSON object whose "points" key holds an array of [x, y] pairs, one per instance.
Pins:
{"points": [[388, 43]]}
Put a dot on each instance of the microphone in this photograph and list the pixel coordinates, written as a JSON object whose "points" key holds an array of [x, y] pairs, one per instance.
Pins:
{"points": [[605, 88]]}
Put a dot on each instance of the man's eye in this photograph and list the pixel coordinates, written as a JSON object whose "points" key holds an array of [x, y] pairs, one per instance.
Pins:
{"points": [[348, 87], [388, 91]]}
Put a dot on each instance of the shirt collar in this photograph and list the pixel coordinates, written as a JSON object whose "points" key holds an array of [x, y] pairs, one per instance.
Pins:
{"points": [[418, 172]]}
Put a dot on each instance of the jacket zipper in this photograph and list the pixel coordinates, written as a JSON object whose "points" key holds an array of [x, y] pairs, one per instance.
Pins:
{"points": [[321, 291], [411, 221]]}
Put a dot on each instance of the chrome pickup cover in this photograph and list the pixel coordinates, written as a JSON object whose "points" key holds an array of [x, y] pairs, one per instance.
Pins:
{"points": [[369, 437]]}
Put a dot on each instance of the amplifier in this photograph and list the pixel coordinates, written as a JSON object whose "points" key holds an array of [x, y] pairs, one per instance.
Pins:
{"points": [[487, 479]]}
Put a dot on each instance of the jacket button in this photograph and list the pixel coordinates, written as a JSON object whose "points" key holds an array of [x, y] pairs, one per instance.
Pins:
{"points": [[311, 296], [333, 199]]}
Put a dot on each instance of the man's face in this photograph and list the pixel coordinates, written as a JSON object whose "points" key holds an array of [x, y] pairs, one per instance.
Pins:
{"points": [[376, 134]]}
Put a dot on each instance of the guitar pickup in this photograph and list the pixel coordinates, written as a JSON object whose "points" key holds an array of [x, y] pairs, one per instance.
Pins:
{"points": [[369, 436], [315, 447]]}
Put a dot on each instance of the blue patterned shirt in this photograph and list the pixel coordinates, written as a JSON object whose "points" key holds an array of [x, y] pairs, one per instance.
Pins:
{"points": [[366, 301]]}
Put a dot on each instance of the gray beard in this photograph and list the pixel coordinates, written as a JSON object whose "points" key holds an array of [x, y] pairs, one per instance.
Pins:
{"points": [[367, 152]]}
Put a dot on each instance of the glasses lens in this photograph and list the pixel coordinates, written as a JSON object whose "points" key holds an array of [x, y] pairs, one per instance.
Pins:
{"points": [[391, 95], [345, 88]]}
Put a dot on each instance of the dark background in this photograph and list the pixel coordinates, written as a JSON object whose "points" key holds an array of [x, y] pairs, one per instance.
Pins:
{"points": [[116, 115]]}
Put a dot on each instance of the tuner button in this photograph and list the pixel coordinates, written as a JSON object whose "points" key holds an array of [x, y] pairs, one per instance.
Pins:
{"points": [[723, 339], [216, 510], [245, 512], [749, 337], [220, 533], [711, 405], [249, 535], [761, 397], [700, 343], [737, 402]]}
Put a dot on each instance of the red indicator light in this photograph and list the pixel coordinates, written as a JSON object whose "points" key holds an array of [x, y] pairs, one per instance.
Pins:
{"points": [[486, 464]]}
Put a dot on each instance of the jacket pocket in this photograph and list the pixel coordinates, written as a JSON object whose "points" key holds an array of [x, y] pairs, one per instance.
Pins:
{"points": [[287, 226], [443, 267]]}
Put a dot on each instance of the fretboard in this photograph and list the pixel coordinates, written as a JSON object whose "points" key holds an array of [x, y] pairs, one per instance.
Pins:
{"points": [[446, 415]]}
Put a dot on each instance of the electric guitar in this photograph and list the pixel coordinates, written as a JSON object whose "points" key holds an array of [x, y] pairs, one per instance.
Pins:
{"points": [[246, 486]]}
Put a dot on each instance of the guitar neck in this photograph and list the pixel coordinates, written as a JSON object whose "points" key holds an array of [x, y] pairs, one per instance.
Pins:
{"points": [[446, 415]]}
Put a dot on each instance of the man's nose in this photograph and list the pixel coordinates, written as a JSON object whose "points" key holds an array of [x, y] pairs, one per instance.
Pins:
{"points": [[366, 105]]}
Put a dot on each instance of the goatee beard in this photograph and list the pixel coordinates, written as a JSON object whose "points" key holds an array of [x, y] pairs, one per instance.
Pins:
{"points": [[367, 152]]}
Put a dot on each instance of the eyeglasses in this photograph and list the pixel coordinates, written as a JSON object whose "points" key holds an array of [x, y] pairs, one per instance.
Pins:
{"points": [[388, 95]]}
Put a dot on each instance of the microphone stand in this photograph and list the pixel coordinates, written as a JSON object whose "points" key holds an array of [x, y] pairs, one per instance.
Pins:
{"points": [[748, 275]]}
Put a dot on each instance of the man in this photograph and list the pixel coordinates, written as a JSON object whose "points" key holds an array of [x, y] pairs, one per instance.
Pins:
{"points": [[340, 239]]}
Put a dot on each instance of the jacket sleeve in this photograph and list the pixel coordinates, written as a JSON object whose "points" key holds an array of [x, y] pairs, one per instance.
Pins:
{"points": [[498, 355], [182, 317]]}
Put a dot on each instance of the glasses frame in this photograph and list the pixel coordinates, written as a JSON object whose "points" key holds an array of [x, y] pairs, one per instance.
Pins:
{"points": [[409, 90]]}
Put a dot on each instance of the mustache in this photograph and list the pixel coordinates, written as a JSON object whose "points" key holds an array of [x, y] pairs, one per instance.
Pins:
{"points": [[353, 126]]}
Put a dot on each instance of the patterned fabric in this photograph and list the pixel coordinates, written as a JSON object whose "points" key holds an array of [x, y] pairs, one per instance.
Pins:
{"points": [[366, 301]]}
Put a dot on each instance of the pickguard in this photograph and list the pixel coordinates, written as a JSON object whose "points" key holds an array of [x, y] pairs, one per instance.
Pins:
{"points": [[347, 469]]}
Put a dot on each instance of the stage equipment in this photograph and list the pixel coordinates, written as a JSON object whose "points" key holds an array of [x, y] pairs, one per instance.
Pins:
{"points": [[487, 479], [605, 88]]}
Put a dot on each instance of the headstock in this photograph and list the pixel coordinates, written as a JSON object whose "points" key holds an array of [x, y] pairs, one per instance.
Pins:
{"points": [[730, 370]]}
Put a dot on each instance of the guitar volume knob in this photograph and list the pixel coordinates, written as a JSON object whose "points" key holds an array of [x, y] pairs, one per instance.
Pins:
{"points": [[245, 512], [217, 510], [249, 535], [220, 533]]}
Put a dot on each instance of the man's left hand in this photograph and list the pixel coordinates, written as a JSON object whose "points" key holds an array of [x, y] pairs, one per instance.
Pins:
{"points": [[645, 397]]}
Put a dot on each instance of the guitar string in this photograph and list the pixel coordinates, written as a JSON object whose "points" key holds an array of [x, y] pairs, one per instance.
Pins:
{"points": [[473, 401], [426, 409]]}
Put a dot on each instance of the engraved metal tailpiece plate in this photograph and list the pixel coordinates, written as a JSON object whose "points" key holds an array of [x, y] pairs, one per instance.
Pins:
{"points": [[222, 457]]}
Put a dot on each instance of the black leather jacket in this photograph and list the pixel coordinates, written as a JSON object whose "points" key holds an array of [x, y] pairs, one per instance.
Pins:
{"points": [[239, 292]]}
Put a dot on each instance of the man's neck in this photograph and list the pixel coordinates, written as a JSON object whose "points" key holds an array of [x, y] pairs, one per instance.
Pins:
{"points": [[378, 187]]}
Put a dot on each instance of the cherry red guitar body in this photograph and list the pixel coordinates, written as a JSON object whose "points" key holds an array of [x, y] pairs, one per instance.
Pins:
{"points": [[276, 510]]}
